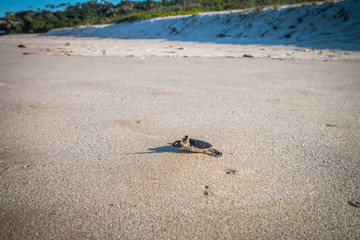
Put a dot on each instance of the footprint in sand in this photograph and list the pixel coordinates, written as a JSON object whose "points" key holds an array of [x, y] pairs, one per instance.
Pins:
{"points": [[206, 192], [230, 171], [354, 203], [331, 125]]}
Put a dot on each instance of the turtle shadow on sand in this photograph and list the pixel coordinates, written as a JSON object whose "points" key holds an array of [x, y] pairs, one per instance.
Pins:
{"points": [[163, 149]]}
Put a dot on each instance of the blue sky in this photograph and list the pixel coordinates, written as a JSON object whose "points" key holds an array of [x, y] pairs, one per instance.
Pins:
{"points": [[19, 5]]}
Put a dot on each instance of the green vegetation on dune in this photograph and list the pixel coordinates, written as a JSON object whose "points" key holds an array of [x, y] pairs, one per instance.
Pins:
{"points": [[103, 12]]}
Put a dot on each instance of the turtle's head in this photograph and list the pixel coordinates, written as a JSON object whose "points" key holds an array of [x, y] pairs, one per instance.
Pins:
{"points": [[177, 144]]}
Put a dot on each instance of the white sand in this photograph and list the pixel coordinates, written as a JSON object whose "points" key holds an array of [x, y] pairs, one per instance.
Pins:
{"points": [[70, 46], [84, 150]]}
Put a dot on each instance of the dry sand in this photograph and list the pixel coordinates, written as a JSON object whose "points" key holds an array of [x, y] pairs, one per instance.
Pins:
{"points": [[84, 144], [70, 46]]}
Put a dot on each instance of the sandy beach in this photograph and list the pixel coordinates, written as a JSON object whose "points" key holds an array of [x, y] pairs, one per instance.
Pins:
{"points": [[86, 126]]}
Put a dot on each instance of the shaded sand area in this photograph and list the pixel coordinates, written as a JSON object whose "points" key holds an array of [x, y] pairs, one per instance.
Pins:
{"points": [[84, 144]]}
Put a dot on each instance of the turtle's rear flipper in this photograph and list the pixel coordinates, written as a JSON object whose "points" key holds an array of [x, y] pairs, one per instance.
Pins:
{"points": [[216, 153]]}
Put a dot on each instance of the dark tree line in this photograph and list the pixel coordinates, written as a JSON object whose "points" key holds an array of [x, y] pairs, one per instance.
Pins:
{"points": [[103, 12]]}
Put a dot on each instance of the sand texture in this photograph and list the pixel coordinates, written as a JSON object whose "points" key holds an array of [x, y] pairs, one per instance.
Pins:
{"points": [[147, 48], [85, 154]]}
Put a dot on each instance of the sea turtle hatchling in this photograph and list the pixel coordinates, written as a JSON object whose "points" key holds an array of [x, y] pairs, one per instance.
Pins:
{"points": [[197, 146]]}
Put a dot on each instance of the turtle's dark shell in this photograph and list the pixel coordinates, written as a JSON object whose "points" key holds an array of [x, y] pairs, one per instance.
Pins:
{"points": [[199, 144]]}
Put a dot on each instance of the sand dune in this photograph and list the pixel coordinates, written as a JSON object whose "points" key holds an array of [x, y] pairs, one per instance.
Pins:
{"points": [[333, 25]]}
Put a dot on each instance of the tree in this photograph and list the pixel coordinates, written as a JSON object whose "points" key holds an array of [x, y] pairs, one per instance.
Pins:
{"points": [[98, 12]]}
